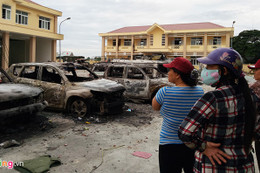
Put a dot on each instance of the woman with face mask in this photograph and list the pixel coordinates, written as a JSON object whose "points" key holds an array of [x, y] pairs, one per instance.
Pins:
{"points": [[221, 124]]}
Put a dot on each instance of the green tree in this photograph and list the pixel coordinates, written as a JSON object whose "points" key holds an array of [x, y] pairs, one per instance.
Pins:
{"points": [[97, 58], [247, 43]]}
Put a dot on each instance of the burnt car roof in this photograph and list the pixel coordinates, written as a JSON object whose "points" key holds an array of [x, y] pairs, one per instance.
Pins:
{"points": [[60, 65], [10, 91]]}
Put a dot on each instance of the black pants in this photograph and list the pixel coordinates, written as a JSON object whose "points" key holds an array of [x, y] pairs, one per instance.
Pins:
{"points": [[175, 157]]}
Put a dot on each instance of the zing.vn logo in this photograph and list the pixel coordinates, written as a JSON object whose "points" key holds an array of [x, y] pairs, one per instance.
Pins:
{"points": [[10, 164]]}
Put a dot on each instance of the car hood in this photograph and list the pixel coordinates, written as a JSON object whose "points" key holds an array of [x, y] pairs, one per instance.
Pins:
{"points": [[102, 85], [161, 81], [9, 92]]}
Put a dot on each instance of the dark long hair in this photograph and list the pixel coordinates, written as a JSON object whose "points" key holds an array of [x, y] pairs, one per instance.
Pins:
{"points": [[190, 79], [250, 110]]}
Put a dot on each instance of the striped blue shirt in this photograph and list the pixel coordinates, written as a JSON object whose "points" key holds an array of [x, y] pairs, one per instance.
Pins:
{"points": [[176, 104]]}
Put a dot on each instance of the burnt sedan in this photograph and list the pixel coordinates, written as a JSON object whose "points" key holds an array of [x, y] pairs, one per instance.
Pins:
{"points": [[71, 87], [141, 81], [18, 99]]}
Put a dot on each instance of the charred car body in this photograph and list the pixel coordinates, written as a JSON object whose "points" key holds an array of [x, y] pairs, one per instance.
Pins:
{"points": [[140, 80], [17, 99], [71, 87]]}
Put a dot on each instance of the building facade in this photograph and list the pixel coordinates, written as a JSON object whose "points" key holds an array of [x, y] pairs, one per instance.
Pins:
{"points": [[28, 32], [191, 40]]}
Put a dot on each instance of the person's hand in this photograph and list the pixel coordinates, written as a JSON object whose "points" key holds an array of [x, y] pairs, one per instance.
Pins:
{"points": [[214, 153]]}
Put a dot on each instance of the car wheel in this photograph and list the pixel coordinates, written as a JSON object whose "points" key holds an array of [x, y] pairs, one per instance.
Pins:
{"points": [[78, 107]]}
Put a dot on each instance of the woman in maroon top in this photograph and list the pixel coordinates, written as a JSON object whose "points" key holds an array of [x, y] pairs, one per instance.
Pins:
{"points": [[256, 89]]}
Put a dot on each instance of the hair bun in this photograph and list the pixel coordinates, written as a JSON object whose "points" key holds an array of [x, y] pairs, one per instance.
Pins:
{"points": [[194, 74]]}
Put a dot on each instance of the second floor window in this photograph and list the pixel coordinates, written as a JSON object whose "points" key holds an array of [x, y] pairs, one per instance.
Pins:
{"points": [[163, 40], [21, 17], [196, 41], [217, 41], [177, 41], [44, 23], [143, 42], [127, 42], [6, 12], [151, 40], [114, 42]]}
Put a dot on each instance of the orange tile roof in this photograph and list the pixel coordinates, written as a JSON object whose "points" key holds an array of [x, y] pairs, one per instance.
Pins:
{"points": [[185, 26]]}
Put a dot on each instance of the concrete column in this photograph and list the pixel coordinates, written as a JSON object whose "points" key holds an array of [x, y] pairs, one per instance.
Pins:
{"points": [[166, 41], [117, 48], [205, 44], [132, 48], [228, 39], [5, 50], [55, 21], [53, 50], [184, 45], [103, 49], [32, 50]]}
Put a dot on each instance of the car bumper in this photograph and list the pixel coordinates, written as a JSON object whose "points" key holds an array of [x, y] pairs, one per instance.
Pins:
{"points": [[110, 107], [28, 109]]}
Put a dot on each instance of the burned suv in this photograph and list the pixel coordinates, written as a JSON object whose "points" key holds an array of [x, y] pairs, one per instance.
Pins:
{"points": [[71, 87], [18, 99], [141, 81]]}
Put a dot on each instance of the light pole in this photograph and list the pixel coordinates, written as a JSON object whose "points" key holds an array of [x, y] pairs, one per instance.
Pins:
{"points": [[231, 40], [60, 40]]}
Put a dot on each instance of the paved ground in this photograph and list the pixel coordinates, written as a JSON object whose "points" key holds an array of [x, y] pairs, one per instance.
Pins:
{"points": [[95, 145]]}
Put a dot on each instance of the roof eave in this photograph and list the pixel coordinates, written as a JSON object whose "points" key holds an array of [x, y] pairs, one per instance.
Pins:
{"points": [[38, 7], [229, 29]]}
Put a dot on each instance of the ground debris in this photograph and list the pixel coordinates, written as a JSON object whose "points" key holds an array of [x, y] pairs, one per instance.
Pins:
{"points": [[9, 143]]}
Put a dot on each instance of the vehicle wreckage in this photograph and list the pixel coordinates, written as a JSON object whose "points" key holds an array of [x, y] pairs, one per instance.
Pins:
{"points": [[71, 87], [18, 99], [142, 81]]}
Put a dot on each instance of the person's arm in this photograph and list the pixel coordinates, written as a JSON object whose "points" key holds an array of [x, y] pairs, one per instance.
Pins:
{"points": [[157, 101], [196, 120], [156, 106]]}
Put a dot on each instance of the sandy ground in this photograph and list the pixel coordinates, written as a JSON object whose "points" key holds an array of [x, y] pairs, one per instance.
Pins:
{"points": [[94, 145]]}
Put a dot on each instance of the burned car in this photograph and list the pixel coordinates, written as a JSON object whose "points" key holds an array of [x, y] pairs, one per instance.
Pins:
{"points": [[71, 87], [100, 68], [141, 81], [18, 99]]}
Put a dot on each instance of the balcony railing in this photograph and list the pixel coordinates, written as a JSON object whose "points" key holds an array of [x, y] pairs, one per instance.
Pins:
{"points": [[176, 47]]}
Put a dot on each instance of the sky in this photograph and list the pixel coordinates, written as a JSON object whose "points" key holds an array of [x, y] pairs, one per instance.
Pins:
{"points": [[91, 17]]}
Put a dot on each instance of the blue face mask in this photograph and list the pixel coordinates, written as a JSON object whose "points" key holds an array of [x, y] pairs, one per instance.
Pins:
{"points": [[209, 77]]}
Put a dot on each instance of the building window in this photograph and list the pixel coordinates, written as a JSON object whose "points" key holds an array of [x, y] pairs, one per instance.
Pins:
{"points": [[196, 41], [151, 40], [216, 41], [6, 11], [143, 42], [114, 42], [163, 39], [44, 23], [127, 42], [21, 17], [177, 41], [194, 61]]}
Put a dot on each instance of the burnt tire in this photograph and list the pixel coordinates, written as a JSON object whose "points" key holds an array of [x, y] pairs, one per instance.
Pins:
{"points": [[78, 107]]}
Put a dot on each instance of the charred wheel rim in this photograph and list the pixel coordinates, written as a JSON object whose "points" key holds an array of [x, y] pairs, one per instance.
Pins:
{"points": [[78, 108]]}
